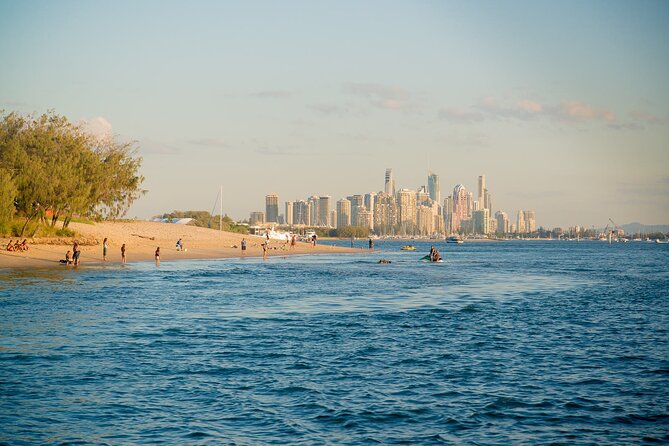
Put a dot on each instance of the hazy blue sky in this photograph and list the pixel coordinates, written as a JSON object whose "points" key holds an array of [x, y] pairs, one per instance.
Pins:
{"points": [[563, 105]]}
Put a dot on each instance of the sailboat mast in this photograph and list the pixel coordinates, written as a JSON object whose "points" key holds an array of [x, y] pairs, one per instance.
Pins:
{"points": [[220, 217]]}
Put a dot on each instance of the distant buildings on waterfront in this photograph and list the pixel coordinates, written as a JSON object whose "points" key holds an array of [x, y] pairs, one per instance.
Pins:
{"points": [[403, 212]]}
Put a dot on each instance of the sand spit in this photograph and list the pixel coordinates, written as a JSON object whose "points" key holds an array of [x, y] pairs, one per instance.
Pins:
{"points": [[142, 238]]}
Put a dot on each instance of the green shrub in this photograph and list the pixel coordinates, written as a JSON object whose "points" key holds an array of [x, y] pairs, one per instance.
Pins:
{"points": [[64, 232]]}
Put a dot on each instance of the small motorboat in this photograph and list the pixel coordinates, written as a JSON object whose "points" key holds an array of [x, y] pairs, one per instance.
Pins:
{"points": [[408, 248]]}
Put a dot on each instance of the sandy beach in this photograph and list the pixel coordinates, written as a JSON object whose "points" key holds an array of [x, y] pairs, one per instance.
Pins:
{"points": [[142, 238]]}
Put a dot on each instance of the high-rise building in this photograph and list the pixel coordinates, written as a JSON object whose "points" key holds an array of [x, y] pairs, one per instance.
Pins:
{"points": [[301, 213], [343, 213], [333, 217], [424, 220], [520, 223], [481, 222], [481, 198], [385, 214], [433, 187], [502, 222], [324, 211], [530, 221], [390, 182], [272, 208], [257, 218], [487, 201], [422, 197], [370, 203], [448, 214], [313, 210], [289, 213], [460, 206], [364, 219], [357, 203], [407, 203]]}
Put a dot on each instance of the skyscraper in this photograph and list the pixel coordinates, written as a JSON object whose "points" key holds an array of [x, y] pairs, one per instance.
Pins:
{"points": [[487, 201], [433, 186], [343, 213], [313, 210], [324, 211], [370, 203], [301, 213], [448, 214], [357, 203], [390, 182], [385, 214], [289, 213], [407, 202], [257, 218], [502, 222], [520, 225], [460, 206], [424, 220], [530, 221], [481, 222], [481, 198], [272, 208]]}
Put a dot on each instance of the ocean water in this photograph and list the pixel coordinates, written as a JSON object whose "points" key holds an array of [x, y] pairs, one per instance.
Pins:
{"points": [[503, 343]]}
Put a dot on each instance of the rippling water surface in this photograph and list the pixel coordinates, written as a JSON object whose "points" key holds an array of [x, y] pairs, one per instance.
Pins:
{"points": [[504, 343]]}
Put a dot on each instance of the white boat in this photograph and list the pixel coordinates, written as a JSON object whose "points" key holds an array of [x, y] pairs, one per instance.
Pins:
{"points": [[454, 239]]}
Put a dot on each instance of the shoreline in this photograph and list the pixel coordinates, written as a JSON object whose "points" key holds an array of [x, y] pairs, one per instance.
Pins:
{"points": [[142, 238]]}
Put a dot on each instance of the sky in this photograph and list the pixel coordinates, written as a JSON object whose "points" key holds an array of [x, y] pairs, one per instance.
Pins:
{"points": [[563, 106]]}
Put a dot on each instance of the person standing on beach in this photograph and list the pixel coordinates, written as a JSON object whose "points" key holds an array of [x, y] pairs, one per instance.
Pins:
{"points": [[264, 250], [179, 245], [157, 255], [313, 240], [123, 260], [371, 244], [104, 250], [293, 241], [76, 252], [243, 246]]}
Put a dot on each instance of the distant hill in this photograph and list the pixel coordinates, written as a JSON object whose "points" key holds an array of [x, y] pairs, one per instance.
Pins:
{"points": [[635, 228]]}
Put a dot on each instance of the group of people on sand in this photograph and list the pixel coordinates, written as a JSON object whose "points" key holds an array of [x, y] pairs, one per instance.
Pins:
{"points": [[72, 257], [18, 247]]}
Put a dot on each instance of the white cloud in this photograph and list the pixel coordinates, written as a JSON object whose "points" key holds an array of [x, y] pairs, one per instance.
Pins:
{"points": [[382, 96], [97, 126]]}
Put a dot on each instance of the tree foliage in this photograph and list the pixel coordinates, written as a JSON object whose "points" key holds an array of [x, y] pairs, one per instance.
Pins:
{"points": [[204, 219], [352, 231], [57, 167]]}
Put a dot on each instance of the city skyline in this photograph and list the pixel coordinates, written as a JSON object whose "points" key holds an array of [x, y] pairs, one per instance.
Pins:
{"points": [[403, 211], [564, 105]]}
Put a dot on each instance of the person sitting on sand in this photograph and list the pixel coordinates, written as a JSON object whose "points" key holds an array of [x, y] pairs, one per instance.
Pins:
{"points": [[180, 245], [24, 245], [68, 258], [10, 246], [17, 246]]}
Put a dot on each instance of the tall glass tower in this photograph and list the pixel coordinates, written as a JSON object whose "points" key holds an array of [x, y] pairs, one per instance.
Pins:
{"points": [[433, 188], [390, 182]]}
